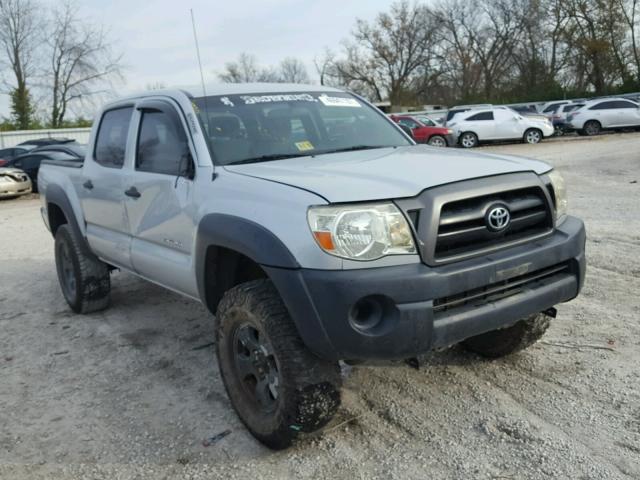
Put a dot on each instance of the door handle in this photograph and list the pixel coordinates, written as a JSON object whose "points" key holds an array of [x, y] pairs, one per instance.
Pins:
{"points": [[133, 192], [88, 185]]}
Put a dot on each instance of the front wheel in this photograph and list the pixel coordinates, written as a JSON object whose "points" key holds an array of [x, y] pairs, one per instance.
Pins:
{"points": [[498, 343], [276, 385], [532, 136], [468, 140], [437, 141]]}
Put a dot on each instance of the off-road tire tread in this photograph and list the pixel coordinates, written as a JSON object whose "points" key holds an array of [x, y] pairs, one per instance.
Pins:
{"points": [[91, 274], [311, 385]]}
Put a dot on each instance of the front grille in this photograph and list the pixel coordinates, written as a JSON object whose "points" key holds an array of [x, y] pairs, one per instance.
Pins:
{"points": [[462, 228], [497, 291]]}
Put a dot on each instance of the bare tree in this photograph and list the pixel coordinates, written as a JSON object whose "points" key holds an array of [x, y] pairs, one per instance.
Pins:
{"points": [[247, 70], [293, 70], [385, 56], [19, 35], [630, 10], [325, 66], [82, 60]]}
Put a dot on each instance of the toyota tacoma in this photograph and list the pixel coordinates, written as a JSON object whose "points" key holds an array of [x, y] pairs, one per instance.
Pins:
{"points": [[314, 230]]}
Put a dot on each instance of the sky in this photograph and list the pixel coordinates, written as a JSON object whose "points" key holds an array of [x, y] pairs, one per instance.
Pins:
{"points": [[156, 36]]}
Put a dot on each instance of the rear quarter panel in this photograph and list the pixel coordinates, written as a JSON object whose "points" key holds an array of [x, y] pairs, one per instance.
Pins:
{"points": [[69, 179]]}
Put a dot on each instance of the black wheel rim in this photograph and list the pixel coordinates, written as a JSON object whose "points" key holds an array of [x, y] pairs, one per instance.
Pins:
{"points": [[66, 270], [256, 366]]}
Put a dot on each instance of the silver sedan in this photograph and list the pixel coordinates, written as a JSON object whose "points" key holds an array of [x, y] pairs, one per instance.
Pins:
{"points": [[14, 182]]}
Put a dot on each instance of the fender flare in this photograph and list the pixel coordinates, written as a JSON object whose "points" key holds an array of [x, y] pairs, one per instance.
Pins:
{"points": [[243, 236], [56, 195]]}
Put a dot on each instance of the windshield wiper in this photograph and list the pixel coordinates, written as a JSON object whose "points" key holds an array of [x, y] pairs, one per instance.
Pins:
{"points": [[354, 148], [268, 158]]}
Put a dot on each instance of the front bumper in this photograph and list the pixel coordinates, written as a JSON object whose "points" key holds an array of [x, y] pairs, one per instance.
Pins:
{"points": [[14, 189], [402, 315]]}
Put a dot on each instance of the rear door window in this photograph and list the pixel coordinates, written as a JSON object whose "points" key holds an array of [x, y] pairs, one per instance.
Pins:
{"points": [[483, 116], [624, 104], [111, 142]]}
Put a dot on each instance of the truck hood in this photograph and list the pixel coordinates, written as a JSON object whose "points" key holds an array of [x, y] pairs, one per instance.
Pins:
{"points": [[385, 173]]}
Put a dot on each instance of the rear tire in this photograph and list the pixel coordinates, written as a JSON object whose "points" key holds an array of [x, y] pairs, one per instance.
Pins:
{"points": [[592, 127], [468, 140], [83, 278], [437, 141], [276, 385], [499, 343]]}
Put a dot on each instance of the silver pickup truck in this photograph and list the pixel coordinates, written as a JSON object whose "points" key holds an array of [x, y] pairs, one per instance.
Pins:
{"points": [[315, 230]]}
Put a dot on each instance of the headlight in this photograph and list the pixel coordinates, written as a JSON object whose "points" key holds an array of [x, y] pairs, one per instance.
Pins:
{"points": [[5, 179], [361, 232], [449, 131], [560, 192]]}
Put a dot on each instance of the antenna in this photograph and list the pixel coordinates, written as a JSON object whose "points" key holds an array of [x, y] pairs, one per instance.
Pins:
{"points": [[206, 121], [195, 37]]}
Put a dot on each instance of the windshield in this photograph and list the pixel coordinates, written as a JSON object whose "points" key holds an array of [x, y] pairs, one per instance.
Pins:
{"points": [[272, 126]]}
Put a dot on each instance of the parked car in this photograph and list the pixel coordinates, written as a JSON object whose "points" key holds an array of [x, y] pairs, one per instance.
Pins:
{"points": [[431, 134], [604, 114], [41, 142], [74, 149], [453, 111], [13, 182], [30, 163], [498, 124], [7, 154], [559, 118], [315, 231], [429, 121], [524, 109], [549, 107]]}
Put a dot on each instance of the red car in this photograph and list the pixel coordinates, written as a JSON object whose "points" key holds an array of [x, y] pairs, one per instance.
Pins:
{"points": [[422, 133]]}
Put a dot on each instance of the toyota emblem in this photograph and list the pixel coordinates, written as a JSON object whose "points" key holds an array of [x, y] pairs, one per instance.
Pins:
{"points": [[498, 218]]}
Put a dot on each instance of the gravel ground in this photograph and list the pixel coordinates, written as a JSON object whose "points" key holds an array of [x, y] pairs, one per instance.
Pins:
{"points": [[132, 392]]}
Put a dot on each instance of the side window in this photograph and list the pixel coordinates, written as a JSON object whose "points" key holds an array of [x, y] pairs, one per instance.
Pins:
{"points": [[407, 122], [623, 104], [603, 106], [480, 117], [111, 141], [162, 144]]}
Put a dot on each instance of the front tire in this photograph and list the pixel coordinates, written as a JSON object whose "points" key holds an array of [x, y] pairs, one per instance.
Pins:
{"points": [[468, 140], [276, 385], [532, 136], [83, 278], [437, 141], [499, 343]]}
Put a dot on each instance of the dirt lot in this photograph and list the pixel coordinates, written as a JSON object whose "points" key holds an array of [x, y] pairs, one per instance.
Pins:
{"points": [[133, 391]]}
